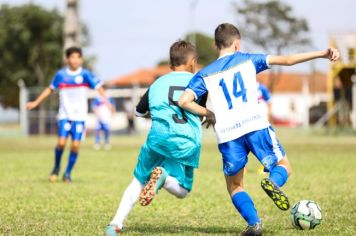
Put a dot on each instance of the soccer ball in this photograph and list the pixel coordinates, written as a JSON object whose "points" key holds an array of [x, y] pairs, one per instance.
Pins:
{"points": [[306, 214]]}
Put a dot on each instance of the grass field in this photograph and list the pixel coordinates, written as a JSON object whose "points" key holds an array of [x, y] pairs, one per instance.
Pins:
{"points": [[324, 171]]}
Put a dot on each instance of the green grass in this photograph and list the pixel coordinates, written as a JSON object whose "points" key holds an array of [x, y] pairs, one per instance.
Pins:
{"points": [[323, 170]]}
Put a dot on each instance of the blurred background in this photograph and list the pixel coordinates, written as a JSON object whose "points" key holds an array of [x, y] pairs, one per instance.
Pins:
{"points": [[126, 44]]}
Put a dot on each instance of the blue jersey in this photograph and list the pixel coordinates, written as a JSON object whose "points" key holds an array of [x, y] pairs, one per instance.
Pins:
{"points": [[175, 133], [231, 83], [73, 97]]}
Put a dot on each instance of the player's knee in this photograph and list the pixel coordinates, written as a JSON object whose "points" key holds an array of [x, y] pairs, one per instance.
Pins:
{"points": [[61, 144], [235, 188], [75, 147], [183, 194]]}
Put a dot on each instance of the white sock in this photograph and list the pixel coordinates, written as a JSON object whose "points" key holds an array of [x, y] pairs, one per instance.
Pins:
{"points": [[173, 187], [128, 200]]}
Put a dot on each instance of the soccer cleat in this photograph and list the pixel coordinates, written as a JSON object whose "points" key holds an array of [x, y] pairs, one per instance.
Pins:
{"points": [[273, 191], [54, 175], [96, 146], [112, 230], [158, 177], [107, 146], [67, 179], [255, 230]]}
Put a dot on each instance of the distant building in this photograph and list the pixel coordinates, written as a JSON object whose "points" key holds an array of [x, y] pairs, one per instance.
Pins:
{"points": [[293, 94]]}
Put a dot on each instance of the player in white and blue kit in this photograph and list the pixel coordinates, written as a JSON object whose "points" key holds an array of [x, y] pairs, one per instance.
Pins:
{"points": [[104, 115], [72, 82], [241, 126]]}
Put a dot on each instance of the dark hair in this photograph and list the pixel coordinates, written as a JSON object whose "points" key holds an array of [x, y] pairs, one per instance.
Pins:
{"points": [[179, 51], [69, 51], [225, 34]]}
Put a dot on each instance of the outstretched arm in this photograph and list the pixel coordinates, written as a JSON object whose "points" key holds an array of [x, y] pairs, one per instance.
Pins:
{"points": [[186, 101], [45, 93], [331, 53]]}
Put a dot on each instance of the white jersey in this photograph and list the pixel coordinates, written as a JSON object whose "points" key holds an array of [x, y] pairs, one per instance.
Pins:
{"points": [[231, 83], [73, 92], [103, 112]]}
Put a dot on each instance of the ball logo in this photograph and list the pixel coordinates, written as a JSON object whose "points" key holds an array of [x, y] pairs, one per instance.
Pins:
{"points": [[67, 126], [79, 79], [79, 128]]}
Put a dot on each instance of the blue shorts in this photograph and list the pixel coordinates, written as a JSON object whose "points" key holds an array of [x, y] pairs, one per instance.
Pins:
{"points": [[74, 128], [262, 143], [102, 126], [149, 159]]}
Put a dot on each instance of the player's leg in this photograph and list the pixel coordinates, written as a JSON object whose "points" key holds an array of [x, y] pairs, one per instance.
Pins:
{"points": [[266, 147], [179, 181], [147, 161], [77, 133], [63, 131], [127, 203], [234, 160], [106, 130], [97, 136]]}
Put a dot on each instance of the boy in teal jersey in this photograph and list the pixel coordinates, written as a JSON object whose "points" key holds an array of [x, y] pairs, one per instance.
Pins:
{"points": [[172, 149]]}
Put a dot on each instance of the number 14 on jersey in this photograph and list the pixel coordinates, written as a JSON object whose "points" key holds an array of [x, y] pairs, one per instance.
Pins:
{"points": [[238, 89]]}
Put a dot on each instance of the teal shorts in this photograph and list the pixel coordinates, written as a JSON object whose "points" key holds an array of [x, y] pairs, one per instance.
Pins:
{"points": [[148, 160]]}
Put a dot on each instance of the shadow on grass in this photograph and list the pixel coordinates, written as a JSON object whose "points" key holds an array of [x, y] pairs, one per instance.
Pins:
{"points": [[186, 229], [173, 229]]}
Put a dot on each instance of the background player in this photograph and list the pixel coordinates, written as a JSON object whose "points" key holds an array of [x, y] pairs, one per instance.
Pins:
{"points": [[104, 115], [72, 83], [172, 148], [241, 126]]}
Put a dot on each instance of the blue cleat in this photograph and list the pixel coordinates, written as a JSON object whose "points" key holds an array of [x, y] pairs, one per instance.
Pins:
{"points": [[112, 230], [156, 182]]}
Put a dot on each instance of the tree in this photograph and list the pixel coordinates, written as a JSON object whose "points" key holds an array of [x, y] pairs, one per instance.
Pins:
{"points": [[31, 46], [271, 26], [205, 48]]}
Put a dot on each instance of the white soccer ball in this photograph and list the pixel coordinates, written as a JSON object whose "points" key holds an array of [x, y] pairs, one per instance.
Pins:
{"points": [[306, 214]]}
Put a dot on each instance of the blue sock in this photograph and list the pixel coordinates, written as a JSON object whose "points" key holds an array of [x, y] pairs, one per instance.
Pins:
{"points": [[71, 162], [107, 135], [279, 175], [245, 206], [57, 158], [97, 136]]}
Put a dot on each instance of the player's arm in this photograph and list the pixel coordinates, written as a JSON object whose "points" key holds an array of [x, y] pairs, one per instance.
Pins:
{"points": [[45, 93], [102, 93], [331, 53], [187, 102], [143, 108]]}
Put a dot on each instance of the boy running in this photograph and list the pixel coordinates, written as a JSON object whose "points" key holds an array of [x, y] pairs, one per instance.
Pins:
{"points": [[241, 126], [172, 148]]}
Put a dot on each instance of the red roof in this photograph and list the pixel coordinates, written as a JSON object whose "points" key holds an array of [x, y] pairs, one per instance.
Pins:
{"points": [[293, 82], [284, 83], [142, 77]]}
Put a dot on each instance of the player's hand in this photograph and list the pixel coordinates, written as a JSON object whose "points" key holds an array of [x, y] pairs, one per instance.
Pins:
{"points": [[332, 54], [31, 105], [209, 119]]}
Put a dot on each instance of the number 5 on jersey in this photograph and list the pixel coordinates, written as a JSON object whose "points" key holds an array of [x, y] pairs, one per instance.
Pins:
{"points": [[237, 91]]}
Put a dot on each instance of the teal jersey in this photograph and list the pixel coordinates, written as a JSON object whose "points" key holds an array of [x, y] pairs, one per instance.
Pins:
{"points": [[175, 133]]}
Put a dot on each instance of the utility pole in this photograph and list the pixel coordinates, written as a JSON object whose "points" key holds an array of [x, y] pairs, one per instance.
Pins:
{"points": [[72, 24]]}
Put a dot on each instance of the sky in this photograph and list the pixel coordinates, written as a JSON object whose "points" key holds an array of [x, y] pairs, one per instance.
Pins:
{"points": [[129, 35]]}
